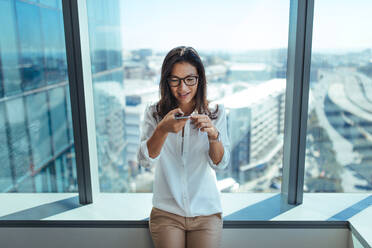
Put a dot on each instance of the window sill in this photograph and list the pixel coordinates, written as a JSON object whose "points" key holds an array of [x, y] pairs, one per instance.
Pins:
{"points": [[240, 210]]}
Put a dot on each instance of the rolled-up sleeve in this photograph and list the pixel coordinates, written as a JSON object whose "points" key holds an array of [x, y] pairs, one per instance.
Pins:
{"points": [[147, 128], [221, 125]]}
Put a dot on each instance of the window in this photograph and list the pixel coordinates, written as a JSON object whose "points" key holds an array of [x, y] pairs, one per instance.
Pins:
{"points": [[37, 150], [35, 105], [245, 66], [339, 129]]}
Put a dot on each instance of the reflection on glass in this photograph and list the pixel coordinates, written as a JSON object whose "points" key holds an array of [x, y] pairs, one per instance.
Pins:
{"points": [[18, 137], [59, 179], [9, 50], [31, 59], [339, 132], [5, 172], [245, 67], [36, 152], [38, 128], [59, 119], [104, 35], [106, 58], [54, 46]]}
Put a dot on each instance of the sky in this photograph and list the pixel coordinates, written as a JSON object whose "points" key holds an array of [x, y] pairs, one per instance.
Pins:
{"points": [[342, 24], [237, 25]]}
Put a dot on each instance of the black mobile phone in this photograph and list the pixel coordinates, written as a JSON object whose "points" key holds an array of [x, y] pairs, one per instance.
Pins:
{"points": [[179, 116]]}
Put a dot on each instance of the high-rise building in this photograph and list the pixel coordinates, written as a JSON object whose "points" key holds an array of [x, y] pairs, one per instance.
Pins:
{"points": [[35, 114], [37, 149], [255, 119]]}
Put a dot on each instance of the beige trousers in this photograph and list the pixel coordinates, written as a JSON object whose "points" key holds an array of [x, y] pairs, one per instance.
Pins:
{"points": [[175, 231]]}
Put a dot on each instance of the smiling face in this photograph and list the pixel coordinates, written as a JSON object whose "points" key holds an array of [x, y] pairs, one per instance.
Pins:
{"points": [[183, 93]]}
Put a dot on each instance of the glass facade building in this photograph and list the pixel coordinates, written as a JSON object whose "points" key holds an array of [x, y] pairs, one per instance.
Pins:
{"points": [[37, 145]]}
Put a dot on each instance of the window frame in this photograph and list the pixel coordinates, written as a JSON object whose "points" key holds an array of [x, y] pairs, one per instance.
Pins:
{"points": [[296, 105], [81, 96], [297, 99]]}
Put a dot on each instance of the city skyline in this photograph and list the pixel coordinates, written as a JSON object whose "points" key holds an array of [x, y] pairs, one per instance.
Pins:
{"points": [[36, 122]]}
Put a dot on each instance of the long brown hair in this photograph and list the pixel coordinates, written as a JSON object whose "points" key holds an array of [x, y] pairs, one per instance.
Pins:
{"points": [[167, 101]]}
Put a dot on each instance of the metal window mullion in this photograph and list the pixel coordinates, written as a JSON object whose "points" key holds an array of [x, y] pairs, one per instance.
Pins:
{"points": [[81, 96], [297, 92]]}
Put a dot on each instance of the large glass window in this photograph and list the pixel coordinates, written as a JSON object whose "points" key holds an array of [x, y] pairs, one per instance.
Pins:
{"points": [[339, 132], [244, 49], [36, 147]]}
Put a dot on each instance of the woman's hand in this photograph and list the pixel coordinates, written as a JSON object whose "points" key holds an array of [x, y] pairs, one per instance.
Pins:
{"points": [[170, 124], [205, 124]]}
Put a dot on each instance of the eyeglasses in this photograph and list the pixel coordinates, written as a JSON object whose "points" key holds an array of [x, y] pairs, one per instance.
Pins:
{"points": [[175, 81]]}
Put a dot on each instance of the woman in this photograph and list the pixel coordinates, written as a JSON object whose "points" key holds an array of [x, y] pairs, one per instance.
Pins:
{"points": [[187, 209]]}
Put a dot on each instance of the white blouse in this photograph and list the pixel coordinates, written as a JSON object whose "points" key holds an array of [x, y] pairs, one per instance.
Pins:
{"points": [[185, 179]]}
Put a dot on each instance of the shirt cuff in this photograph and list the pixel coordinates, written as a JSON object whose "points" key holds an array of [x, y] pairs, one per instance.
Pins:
{"points": [[222, 164], [145, 152]]}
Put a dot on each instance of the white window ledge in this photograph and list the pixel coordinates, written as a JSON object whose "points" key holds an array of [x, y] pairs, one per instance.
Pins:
{"points": [[254, 208]]}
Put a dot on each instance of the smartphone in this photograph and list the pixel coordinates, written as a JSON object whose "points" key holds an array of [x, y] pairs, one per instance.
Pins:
{"points": [[179, 116]]}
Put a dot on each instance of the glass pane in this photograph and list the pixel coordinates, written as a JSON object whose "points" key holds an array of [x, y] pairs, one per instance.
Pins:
{"points": [[31, 58], [245, 67], [59, 179], [105, 35], [59, 119], [38, 128], [54, 46], [106, 57], [36, 151], [339, 132], [5, 169], [50, 3], [39, 182], [9, 49], [19, 143]]}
